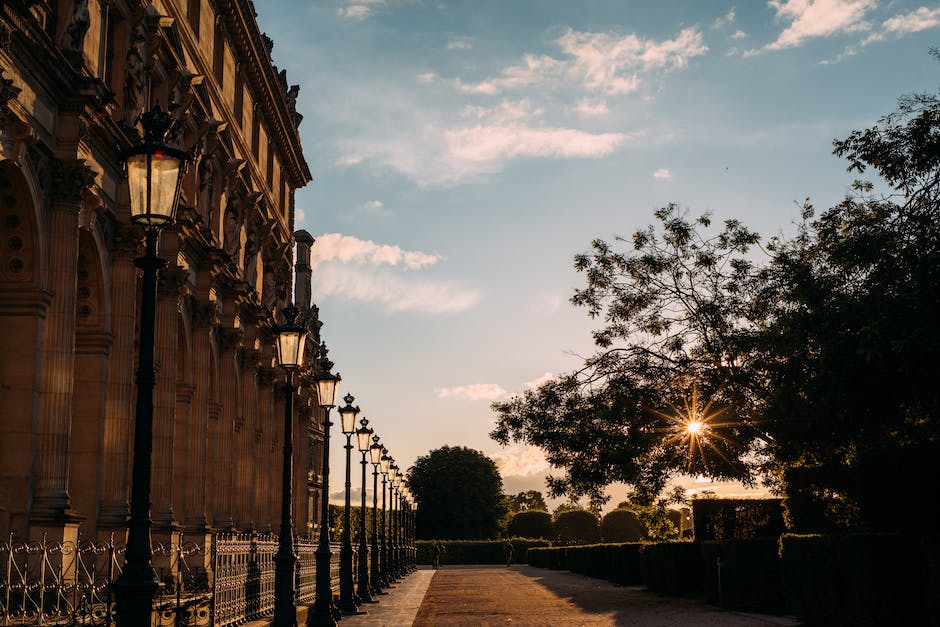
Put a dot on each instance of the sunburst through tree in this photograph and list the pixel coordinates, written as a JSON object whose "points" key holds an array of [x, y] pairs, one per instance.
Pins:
{"points": [[694, 429]]}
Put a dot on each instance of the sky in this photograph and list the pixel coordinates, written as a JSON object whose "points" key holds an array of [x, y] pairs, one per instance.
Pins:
{"points": [[464, 151]]}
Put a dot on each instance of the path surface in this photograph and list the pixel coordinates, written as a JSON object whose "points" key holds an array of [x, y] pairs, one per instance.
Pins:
{"points": [[465, 596]]}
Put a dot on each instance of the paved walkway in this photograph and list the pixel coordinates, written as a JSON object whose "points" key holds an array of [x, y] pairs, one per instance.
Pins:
{"points": [[458, 596]]}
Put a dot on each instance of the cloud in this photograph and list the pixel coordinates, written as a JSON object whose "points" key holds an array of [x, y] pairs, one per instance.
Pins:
{"points": [[359, 9], [486, 143], [818, 18], [913, 22], [299, 215], [662, 173], [370, 209], [599, 62], [591, 108], [349, 249], [460, 43], [392, 292], [539, 381], [473, 392], [350, 159], [725, 19], [520, 460], [738, 34]]}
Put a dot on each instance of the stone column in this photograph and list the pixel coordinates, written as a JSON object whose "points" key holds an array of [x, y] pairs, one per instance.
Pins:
{"points": [[265, 442], [113, 507], [51, 510], [182, 472], [247, 461]]}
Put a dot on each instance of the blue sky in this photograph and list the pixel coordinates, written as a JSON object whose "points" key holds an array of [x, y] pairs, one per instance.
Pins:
{"points": [[464, 152]]}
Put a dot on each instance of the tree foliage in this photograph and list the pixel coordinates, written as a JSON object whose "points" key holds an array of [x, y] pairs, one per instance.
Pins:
{"points": [[524, 501], [803, 358], [532, 523], [459, 494], [622, 525], [576, 526]]}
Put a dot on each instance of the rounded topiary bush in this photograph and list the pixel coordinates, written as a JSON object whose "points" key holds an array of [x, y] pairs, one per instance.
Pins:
{"points": [[531, 524], [621, 525], [576, 526]]}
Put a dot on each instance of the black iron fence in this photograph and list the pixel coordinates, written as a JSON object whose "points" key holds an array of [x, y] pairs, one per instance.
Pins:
{"points": [[68, 584]]}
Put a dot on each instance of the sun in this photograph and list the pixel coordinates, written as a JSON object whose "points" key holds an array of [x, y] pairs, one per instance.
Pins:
{"points": [[694, 427]]}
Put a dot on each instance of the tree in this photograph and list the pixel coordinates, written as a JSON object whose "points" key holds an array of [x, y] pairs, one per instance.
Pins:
{"points": [[532, 523], [459, 494], [808, 360], [576, 526], [524, 501], [622, 525]]}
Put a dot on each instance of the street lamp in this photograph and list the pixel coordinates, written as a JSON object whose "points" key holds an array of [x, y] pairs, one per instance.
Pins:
{"points": [[385, 466], [322, 613], [363, 434], [392, 519], [289, 339], [154, 175], [347, 596], [396, 484], [375, 456]]}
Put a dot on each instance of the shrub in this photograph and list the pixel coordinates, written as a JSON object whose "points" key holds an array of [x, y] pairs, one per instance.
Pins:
{"points": [[621, 525], [576, 526], [592, 560], [532, 523], [673, 568], [856, 579], [748, 576], [478, 551], [736, 519], [547, 557]]}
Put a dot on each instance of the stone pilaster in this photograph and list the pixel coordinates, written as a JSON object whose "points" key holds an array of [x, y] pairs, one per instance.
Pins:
{"points": [[164, 394], [204, 315], [247, 461], [229, 342], [268, 445], [51, 509], [182, 471], [113, 508]]}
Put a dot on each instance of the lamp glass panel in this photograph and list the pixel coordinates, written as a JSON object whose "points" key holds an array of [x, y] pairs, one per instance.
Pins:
{"points": [[290, 348], [385, 465], [375, 453], [364, 436], [348, 419], [326, 391], [164, 172], [392, 472]]}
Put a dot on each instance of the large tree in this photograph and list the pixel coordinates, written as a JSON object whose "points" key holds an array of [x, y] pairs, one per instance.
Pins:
{"points": [[808, 360], [459, 494]]}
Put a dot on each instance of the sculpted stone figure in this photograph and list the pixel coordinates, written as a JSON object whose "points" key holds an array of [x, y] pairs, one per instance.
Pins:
{"points": [[133, 86], [73, 36]]}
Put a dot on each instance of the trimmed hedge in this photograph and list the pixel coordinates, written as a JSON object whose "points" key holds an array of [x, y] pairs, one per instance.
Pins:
{"points": [[576, 526], [673, 568], [622, 525], [478, 551], [859, 579], [547, 557], [531, 523], [747, 577], [737, 519]]}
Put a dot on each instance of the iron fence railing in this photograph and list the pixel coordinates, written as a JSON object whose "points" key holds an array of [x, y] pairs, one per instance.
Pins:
{"points": [[47, 583]]}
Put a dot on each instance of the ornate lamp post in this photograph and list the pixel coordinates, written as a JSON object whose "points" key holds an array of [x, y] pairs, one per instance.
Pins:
{"points": [[154, 175], [375, 456], [347, 595], [289, 339], [385, 463], [363, 434], [393, 573], [322, 613]]}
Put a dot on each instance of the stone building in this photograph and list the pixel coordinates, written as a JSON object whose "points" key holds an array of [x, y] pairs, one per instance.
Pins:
{"points": [[75, 76]]}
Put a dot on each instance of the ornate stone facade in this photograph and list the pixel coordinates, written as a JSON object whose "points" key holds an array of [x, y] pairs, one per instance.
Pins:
{"points": [[75, 76]]}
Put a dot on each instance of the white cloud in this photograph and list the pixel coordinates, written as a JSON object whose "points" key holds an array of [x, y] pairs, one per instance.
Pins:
{"points": [[359, 9], [520, 460], [350, 159], [370, 209], [591, 108], [473, 392], [487, 143], [600, 62], [738, 34], [725, 19], [349, 249], [393, 293], [460, 43], [662, 173], [539, 381], [913, 22], [299, 215], [818, 18]]}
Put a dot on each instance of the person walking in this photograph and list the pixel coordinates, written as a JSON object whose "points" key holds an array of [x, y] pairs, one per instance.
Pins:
{"points": [[507, 549]]}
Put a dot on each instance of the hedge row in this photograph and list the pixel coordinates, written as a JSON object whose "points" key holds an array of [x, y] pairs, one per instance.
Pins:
{"points": [[668, 567], [477, 551], [850, 579]]}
